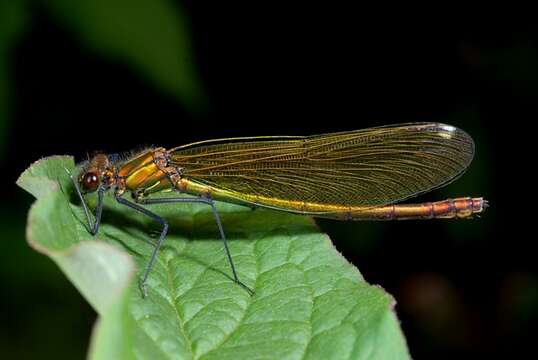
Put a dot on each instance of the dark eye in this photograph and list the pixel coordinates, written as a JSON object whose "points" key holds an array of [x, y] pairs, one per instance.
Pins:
{"points": [[89, 182]]}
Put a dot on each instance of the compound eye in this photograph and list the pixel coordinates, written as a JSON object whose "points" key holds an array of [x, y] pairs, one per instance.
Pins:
{"points": [[89, 182]]}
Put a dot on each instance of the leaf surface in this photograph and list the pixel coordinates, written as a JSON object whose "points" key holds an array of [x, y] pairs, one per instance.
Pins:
{"points": [[309, 302]]}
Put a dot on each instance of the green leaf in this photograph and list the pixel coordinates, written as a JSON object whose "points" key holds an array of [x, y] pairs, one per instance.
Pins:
{"points": [[309, 302], [152, 36]]}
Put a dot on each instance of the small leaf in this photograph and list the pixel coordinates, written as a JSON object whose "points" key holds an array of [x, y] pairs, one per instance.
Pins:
{"points": [[44, 176], [309, 302]]}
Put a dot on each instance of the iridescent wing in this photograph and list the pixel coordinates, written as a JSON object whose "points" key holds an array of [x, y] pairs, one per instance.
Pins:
{"points": [[369, 167]]}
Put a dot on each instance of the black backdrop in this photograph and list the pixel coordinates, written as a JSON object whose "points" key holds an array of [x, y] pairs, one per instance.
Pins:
{"points": [[463, 288]]}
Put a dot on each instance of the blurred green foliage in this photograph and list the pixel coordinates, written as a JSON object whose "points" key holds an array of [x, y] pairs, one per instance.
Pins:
{"points": [[12, 23], [152, 36]]}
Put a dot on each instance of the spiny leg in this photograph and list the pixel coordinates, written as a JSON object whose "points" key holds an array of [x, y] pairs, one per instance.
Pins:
{"points": [[211, 203], [164, 231]]}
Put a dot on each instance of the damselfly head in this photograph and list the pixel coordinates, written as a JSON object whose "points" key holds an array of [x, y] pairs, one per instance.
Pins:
{"points": [[90, 181], [96, 172]]}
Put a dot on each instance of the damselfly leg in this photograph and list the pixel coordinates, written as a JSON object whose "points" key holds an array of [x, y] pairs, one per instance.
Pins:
{"points": [[93, 228], [199, 200], [164, 231]]}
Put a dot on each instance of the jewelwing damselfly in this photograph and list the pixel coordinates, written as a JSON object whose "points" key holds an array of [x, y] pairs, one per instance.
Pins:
{"points": [[353, 175]]}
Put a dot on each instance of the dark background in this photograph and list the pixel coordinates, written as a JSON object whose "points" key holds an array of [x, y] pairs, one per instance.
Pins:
{"points": [[462, 287]]}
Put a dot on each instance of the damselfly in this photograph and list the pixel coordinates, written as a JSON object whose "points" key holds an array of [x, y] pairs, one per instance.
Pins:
{"points": [[354, 175]]}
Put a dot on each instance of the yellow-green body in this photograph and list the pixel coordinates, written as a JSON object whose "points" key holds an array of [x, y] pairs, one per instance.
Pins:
{"points": [[143, 175]]}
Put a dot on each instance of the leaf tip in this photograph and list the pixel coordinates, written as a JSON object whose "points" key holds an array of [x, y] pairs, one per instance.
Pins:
{"points": [[41, 177]]}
